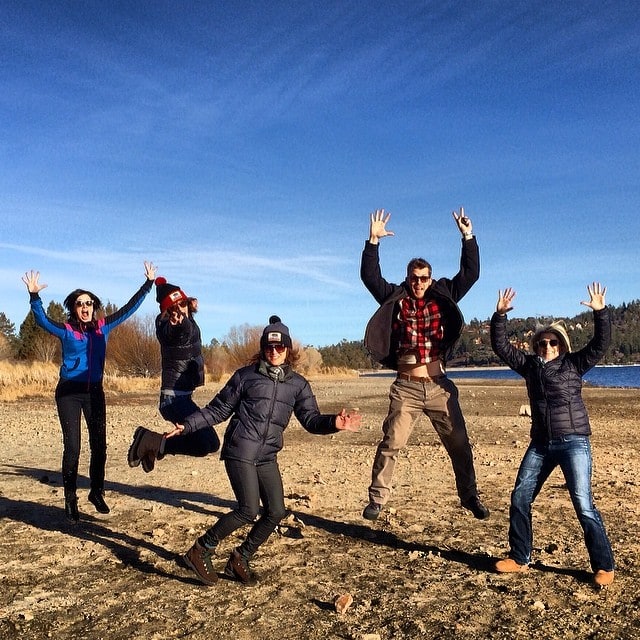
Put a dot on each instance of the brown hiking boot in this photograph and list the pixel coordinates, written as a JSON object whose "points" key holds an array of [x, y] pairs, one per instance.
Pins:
{"points": [[238, 568], [603, 578], [509, 565], [198, 559], [144, 449]]}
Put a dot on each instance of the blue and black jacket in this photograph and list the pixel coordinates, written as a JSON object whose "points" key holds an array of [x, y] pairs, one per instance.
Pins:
{"points": [[84, 348]]}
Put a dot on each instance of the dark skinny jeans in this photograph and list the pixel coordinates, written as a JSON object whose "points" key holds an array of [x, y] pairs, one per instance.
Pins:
{"points": [[251, 484], [74, 399]]}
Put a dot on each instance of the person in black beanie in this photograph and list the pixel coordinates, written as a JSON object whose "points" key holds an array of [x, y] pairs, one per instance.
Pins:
{"points": [[182, 372], [259, 400]]}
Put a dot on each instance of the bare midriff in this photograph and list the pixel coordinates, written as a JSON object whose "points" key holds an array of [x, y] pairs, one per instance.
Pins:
{"points": [[426, 370]]}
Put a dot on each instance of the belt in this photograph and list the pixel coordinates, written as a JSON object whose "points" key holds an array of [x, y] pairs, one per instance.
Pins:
{"points": [[409, 378]]}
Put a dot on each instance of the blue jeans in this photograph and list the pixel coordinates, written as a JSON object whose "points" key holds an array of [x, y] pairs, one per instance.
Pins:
{"points": [[573, 455]]}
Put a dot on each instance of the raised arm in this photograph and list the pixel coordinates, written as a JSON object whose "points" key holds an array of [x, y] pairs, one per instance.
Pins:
{"points": [[30, 278], [505, 299], [597, 294], [464, 223], [378, 227]]}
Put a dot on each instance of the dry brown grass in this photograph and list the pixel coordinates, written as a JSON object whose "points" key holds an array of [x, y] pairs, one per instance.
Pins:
{"points": [[20, 380], [39, 379]]}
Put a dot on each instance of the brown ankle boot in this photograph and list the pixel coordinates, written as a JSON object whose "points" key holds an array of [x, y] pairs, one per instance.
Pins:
{"points": [[145, 448]]}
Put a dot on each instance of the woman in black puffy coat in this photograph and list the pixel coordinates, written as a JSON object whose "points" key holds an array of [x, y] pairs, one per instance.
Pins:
{"points": [[560, 429], [259, 399], [182, 373]]}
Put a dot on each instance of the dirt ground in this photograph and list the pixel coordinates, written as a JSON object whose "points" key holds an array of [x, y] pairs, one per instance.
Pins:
{"points": [[423, 570]]}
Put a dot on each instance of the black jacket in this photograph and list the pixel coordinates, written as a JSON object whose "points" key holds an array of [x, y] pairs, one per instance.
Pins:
{"points": [[181, 351], [554, 387], [260, 408], [447, 292]]}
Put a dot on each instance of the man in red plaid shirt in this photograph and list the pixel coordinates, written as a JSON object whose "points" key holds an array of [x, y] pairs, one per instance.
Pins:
{"points": [[412, 332]]}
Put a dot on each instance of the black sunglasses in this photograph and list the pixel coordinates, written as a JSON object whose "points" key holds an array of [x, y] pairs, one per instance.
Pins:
{"points": [[543, 343], [275, 347], [422, 279]]}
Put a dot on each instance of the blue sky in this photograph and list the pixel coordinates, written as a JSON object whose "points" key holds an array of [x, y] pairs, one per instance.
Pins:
{"points": [[241, 146]]}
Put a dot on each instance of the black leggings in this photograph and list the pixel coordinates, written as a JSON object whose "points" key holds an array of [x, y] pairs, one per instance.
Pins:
{"points": [[74, 400], [251, 483]]}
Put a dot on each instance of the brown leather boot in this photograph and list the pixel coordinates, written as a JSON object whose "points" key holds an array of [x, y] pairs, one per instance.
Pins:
{"points": [[238, 568], [198, 558], [145, 448], [603, 578]]}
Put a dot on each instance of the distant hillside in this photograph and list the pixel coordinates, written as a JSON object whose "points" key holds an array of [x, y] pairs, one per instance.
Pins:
{"points": [[474, 346]]}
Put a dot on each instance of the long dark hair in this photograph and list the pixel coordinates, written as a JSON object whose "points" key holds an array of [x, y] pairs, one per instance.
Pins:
{"points": [[70, 304]]}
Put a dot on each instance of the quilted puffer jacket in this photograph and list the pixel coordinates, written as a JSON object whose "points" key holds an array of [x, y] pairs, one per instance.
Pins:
{"points": [[260, 401], [181, 350], [554, 387]]}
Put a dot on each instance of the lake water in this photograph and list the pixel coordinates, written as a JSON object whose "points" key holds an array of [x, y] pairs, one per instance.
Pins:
{"points": [[623, 376]]}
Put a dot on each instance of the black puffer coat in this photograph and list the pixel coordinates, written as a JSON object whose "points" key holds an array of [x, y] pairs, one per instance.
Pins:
{"points": [[260, 408], [447, 292], [554, 387], [181, 351]]}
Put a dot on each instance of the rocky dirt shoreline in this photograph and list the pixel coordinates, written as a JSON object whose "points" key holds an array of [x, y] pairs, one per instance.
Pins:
{"points": [[423, 570]]}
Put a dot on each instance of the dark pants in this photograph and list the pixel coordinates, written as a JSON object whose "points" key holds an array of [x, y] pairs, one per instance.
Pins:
{"points": [[251, 484], [73, 400], [200, 443]]}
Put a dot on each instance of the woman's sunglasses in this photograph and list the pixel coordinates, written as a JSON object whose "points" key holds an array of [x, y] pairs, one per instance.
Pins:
{"points": [[541, 344], [279, 348]]}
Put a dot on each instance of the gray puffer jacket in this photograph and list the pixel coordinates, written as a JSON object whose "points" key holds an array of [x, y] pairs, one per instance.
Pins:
{"points": [[260, 401], [554, 387]]}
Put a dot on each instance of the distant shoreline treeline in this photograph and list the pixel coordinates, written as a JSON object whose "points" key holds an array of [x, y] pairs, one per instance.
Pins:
{"points": [[133, 349]]}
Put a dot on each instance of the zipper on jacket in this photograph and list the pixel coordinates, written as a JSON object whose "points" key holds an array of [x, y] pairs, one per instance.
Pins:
{"points": [[268, 423]]}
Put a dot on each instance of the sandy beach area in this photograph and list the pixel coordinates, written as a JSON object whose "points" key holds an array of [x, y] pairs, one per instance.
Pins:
{"points": [[423, 570]]}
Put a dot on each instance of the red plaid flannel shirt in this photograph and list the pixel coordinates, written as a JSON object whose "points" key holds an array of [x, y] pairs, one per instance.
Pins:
{"points": [[419, 329]]}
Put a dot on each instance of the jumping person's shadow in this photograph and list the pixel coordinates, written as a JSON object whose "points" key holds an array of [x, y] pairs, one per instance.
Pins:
{"points": [[179, 498], [480, 562], [124, 546]]}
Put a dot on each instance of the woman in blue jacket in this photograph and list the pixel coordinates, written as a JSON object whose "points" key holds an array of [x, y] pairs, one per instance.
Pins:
{"points": [[259, 399], [560, 429], [83, 338]]}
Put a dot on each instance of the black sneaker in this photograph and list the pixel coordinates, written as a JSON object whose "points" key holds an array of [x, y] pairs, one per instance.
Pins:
{"points": [[71, 509], [238, 568], [476, 507], [372, 511], [96, 498], [198, 559]]}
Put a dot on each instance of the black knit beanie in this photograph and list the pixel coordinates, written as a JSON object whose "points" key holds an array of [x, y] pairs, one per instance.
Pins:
{"points": [[275, 333]]}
